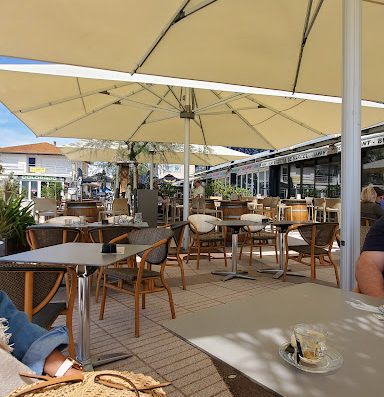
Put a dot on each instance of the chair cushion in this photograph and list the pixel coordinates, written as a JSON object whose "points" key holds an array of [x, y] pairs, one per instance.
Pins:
{"points": [[306, 249], [253, 218], [201, 222], [213, 236], [264, 236], [129, 274], [48, 314]]}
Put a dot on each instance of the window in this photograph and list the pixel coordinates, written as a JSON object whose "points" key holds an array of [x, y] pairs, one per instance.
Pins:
{"points": [[31, 161], [254, 184], [295, 179]]}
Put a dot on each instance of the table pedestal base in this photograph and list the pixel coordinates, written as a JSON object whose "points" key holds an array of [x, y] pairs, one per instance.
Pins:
{"points": [[231, 275], [109, 358], [279, 272]]}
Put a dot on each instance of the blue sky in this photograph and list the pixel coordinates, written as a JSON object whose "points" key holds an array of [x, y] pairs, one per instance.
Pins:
{"points": [[12, 130]]}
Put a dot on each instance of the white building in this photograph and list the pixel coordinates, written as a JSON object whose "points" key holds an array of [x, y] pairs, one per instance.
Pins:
{"points": [[35, 166]]}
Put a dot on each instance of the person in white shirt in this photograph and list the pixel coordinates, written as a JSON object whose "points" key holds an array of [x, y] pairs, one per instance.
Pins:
{"points": [[198, 189]]}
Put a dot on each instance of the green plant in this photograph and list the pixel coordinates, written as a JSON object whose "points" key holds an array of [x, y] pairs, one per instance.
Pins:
{"points": [[51, 190], [15, 218], [218, 188]]}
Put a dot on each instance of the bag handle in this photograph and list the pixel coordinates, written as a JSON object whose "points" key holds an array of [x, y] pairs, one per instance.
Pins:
{"points": [[108, 383], [46, 383]]}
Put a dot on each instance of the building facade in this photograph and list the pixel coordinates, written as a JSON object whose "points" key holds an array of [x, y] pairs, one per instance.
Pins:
{"points": [[36, 168], [308, 170]]}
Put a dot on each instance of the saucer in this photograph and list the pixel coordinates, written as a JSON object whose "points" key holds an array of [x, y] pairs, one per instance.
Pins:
{"points": [[331, 361]]}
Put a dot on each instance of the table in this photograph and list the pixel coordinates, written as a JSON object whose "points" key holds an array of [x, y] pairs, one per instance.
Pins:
{"points": [[85, 257], [246, 334], [235, 226], [282, 227], [83, 227]]}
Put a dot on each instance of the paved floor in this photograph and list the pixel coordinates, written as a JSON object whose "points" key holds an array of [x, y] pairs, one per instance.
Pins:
{"points": [[164, 356]]}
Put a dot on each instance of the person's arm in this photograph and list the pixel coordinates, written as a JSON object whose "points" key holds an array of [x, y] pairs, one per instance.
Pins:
{"points": [[369, 273]]}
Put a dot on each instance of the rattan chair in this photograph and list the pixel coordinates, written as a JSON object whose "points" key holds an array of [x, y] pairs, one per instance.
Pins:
{"points": [[319, 238], [257, 236], [141, 280], [204, 237], [174, 252], [104, 234], [32, 287]]}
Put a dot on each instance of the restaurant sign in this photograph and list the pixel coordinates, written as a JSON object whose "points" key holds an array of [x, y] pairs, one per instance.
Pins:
{"points": [[41, 178], [37, 170]]}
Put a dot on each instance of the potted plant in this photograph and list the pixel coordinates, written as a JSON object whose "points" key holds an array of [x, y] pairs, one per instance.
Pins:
{"points": [[14, 219]]}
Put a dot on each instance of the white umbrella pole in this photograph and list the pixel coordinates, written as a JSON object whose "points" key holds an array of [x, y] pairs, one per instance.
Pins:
{"points": [[187, 124], [151, 172], [351, 143]]}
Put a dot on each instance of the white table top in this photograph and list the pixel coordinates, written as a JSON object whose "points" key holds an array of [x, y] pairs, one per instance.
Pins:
{"points": [[247, 333], [85, 254]]}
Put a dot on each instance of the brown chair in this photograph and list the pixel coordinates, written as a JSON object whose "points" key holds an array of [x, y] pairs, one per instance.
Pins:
{"points": [[270, 207], [141, 280], [257, 236], [174, 252], [204, 237], [32, 287], [319, 208], [44, 207], [104, 234], [319, 238]]}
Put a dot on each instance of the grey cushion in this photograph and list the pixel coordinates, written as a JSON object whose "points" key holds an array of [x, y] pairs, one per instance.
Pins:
{"points": [[306, 250], [129, 274]]}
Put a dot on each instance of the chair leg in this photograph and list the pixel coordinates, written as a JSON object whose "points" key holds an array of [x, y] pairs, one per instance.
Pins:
{"points": [[137, 311], [276, 252], [67, 284], [143, 301], [98, 283], [198, 256], [250, 253], [313, 268], [103, 299], [335, 267], [169, 292], [242, 246], [180, 262]]}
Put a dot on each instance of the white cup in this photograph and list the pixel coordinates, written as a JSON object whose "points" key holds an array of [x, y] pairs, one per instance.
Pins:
{"points": [[67, 222], [82, 219]]}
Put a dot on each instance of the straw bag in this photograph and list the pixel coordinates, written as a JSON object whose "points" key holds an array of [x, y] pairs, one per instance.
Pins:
{"points": [[93, 384]]}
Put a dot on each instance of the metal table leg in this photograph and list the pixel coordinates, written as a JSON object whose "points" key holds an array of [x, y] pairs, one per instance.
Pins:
{"points": [[280, 271], [83, 348], [234, 273]]}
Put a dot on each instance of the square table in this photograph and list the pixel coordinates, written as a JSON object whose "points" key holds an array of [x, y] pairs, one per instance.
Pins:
{"points": [[282, 227], [85, 257], [247, 334], [235, 225]]}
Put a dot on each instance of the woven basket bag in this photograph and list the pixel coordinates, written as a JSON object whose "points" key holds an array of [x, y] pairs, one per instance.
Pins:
{"points": [[94, 384]]}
